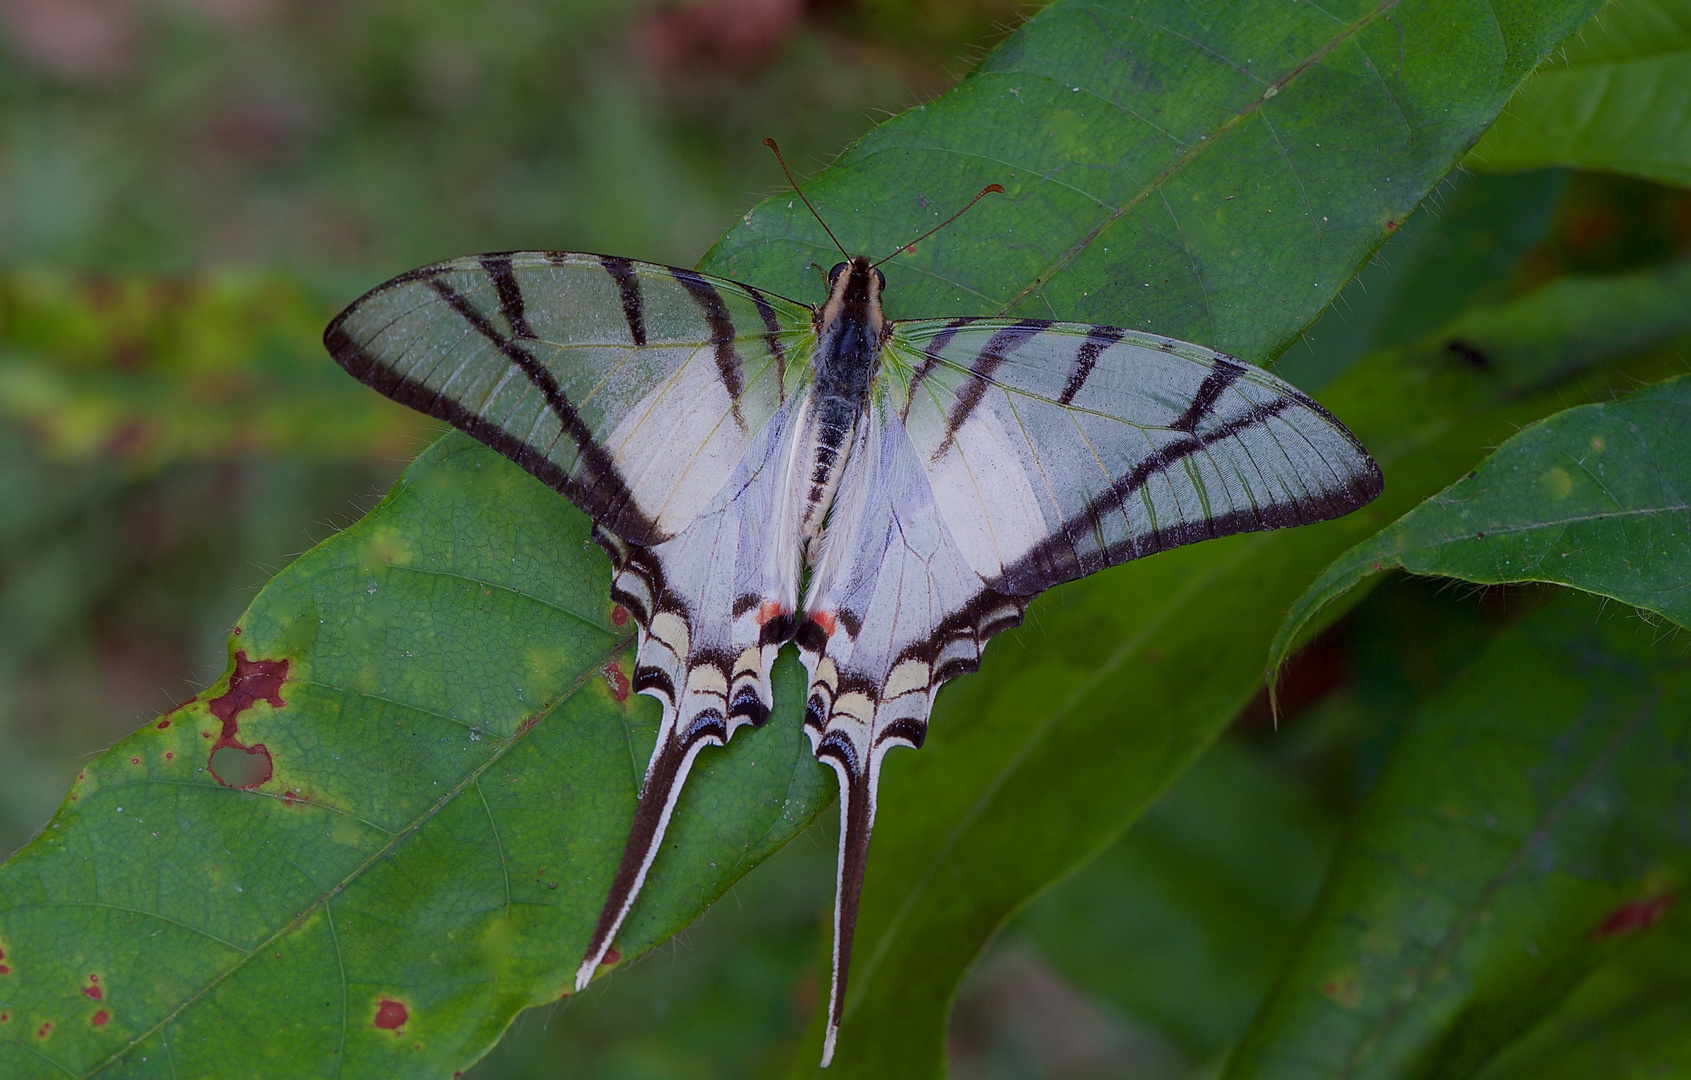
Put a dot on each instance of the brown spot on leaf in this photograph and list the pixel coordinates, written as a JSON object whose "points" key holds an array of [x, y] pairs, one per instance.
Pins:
{"points": [[99, 1019], [391, 1015], [1632, 916], [619, 681], [232, 762]]}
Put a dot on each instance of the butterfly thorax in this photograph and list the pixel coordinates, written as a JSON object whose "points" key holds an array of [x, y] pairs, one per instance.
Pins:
{"points": [[850, 333]]}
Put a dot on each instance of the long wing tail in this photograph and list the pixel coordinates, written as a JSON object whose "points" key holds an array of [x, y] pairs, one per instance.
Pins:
{"points": [[857, 819], [672, 759], [709, 685]]}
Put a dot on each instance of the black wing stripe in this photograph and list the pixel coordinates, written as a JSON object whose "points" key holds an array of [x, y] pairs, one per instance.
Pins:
{"points": [[1061, 557], [1221, 376], [930, 358], [980, 373], [511, 305], [721, 334], [1086, 358], [771, 337], [628, 286], [605, 497]]}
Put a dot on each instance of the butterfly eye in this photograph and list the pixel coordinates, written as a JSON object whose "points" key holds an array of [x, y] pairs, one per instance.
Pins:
{"points": [[834, 274], [880, 281]]}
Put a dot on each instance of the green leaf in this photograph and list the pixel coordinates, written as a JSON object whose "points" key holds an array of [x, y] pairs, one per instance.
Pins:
{"points": [[1211, 172], [1430, 271], [432, 780], [1631, 1020], [1527, 827], [1597, 497], [1617, 97], [1185, 920]]}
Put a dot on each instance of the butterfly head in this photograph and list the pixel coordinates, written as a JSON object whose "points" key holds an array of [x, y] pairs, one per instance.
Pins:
{"points": [[854, 298]]}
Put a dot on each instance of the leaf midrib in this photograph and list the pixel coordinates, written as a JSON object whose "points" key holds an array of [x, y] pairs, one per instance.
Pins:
{"points": [[472, 776]]}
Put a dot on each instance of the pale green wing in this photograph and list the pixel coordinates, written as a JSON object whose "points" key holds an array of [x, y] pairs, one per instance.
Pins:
{"points": [[1057, 449], [632, 388]]}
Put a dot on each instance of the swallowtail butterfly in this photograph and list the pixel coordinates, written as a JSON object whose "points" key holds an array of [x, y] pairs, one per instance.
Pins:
{"points": [[886, 494]]}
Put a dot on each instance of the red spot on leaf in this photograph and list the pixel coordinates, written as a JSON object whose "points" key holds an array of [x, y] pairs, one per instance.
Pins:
{"points": [[162, 724], [99, 1019], [5, 969], [44, 1030], [134, 761], [287, 798], [252, 682], [619, 681], [611, 957], [5, 1017], [1634, 915], [93, 992], [391, 1015], [169, 754], [1391, 224], [619, 615]]}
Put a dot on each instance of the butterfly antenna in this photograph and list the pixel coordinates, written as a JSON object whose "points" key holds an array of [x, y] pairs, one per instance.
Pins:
{"points": [[771, 144], [990, 189]]}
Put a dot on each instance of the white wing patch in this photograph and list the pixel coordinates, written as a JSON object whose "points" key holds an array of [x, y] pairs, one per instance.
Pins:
{"points": [[986, 497], [678, 445]]}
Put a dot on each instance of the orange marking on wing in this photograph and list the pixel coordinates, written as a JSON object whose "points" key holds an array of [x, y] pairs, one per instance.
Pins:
{"points": [[826, 620], [769, 609]]}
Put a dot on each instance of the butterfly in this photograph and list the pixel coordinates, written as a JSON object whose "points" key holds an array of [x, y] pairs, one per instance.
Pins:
{"points": [[887, 495]]}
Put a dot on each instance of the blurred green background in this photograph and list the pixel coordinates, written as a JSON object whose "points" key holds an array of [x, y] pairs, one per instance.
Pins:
{"points": [[189, 189]]}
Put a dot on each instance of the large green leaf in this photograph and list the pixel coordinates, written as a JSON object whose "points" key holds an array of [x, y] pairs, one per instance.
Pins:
{"points": [[1213, 171], [1597, 497], [1114, 685], [390, 826], [1528, 826], [1617, 97]]}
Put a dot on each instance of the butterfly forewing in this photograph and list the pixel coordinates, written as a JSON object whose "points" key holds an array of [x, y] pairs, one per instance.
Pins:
{"points": [[634, 389], [1057, 449]]}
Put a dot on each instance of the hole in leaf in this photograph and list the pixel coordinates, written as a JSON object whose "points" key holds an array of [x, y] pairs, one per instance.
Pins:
{"points": [[241, 767]]}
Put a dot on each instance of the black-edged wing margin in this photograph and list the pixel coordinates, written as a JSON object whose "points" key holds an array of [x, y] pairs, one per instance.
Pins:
{"points": [[634, 389]]}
